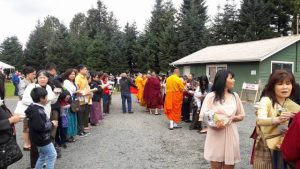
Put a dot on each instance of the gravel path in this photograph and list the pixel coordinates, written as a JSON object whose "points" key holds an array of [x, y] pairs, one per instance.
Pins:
{"points": [[140, 141]]}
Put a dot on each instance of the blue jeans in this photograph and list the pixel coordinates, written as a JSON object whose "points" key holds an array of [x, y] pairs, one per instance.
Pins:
{"points": [[126, 96], [47, 154]]}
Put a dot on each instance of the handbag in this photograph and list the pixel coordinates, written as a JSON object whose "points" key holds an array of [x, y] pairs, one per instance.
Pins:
{"points": [[10, 153], [75, 106]]}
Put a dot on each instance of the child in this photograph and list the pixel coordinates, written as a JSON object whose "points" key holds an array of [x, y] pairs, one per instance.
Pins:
{"points": [[40, 128]]}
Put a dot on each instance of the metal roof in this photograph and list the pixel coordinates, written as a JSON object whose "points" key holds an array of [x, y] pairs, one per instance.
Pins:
{"points": [[239, 52]]}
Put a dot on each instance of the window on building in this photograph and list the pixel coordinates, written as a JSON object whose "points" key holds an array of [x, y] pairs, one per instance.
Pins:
{"points": [[211, 71], [277, 65], [186, 70]]}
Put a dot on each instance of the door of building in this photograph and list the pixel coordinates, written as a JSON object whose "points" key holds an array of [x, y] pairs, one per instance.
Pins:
{"points": [[211, 71]]}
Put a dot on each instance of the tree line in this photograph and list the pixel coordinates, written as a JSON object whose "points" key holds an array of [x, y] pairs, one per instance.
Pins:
{"points": [[96, 39]]}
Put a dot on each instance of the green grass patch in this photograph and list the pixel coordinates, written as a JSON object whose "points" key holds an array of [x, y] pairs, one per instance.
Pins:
{"points": [[9, 89]]}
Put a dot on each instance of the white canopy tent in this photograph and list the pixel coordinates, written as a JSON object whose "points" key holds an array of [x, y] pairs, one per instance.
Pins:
{"points": [[7, 69], [6, 66]]}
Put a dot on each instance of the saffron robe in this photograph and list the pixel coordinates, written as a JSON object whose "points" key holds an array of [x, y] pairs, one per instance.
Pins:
{"points": [[139, 84], [142, 100], [174, 96]]}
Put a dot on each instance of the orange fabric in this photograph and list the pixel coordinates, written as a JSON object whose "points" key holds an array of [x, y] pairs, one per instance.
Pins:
{"points": [[142, 100], [172, 107], [139, 84], [174, 96], [174, 84]]}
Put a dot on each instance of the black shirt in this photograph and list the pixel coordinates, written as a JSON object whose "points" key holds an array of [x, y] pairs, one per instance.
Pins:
{"points": [[98, 94], [6, 130], [125, 84]]}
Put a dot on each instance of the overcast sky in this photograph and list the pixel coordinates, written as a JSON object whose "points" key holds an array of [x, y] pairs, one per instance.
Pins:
{"points": [[19, 17]]}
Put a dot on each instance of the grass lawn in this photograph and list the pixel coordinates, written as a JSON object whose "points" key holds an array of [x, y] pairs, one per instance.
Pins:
{"points": [[9, 89]]}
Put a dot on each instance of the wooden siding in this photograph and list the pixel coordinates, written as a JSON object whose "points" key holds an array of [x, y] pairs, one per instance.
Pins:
{"points": [[242, 73], [288, 55], [198, 70]]}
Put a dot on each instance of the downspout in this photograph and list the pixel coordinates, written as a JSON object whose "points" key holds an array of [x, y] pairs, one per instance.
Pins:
{"points": [[296, 65]]}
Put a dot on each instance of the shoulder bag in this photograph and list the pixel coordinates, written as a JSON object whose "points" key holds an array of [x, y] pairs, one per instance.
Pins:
{"points": [[75, 104], [10, 153]]}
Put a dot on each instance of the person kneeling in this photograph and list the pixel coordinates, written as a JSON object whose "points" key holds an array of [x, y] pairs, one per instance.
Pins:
{"points": [[40, 128]]}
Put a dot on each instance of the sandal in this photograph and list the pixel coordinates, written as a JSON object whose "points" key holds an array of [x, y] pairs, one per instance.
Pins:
{"points": [[26, 148], [203, 131], [71, 140]]}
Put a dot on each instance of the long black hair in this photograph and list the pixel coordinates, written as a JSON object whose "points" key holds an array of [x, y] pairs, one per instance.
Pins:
{"points": [[203, 87], [220, 83]]}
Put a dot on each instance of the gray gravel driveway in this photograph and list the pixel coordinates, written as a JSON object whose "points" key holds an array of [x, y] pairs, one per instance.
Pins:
{"points": [[140, 141]]}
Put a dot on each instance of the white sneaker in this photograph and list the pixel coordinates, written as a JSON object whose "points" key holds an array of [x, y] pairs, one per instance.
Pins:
{"points": [[171, 124]]}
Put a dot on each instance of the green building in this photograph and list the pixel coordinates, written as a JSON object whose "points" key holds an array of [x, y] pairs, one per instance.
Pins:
{"points": [[252, 62]]}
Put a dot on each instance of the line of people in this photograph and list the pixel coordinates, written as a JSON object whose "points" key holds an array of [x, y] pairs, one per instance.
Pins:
{"points": [[58, 109], [150, 92], [276, 134]]}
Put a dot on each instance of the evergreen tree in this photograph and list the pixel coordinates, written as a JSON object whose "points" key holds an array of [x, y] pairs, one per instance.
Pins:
{"points": [[254, 21], [48, 43], [79, 40], [117, 56], [35, 52], [96, 20], [224, 27], [294, 11], [192, 29], [143, 51], [278, 11], [159, 34], [103, 32], [11, 52], [216, 30], [59, 49], [130, 45], [169, 38], [98, 54]]}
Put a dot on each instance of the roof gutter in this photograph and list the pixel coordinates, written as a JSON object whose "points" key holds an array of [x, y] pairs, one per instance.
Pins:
{"points": [[276, 51], [199, 62]]}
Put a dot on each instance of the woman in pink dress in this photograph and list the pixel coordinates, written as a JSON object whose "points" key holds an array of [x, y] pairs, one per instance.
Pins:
{"points": [[222, 146]]}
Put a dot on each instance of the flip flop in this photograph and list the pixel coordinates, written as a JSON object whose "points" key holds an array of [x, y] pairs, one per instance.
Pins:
{"points": [[26, 148]]}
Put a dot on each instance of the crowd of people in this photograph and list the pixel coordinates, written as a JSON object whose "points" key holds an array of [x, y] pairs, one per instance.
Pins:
{"points": [[56, 109], [276, 134], [59, 109]]}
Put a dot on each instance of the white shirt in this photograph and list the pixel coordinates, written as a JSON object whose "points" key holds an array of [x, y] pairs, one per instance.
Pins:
{"points": [[52, 98], [70, 86]]}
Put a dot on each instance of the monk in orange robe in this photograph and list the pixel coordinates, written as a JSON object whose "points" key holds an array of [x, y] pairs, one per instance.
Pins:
{"points": [[139, 84], [144, 81], [173, 100]]}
